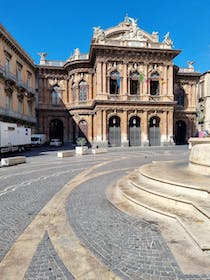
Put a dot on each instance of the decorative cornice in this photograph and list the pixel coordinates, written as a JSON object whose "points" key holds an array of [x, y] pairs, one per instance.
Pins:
{"points": [[13, 44]]}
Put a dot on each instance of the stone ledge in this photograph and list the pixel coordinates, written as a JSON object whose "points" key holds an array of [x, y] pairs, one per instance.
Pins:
{"points": [[99, 150], [62, 154], [13, 161], [81, 150], [196, 140]]}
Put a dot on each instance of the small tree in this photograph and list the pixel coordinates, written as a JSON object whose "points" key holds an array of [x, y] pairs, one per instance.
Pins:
{"points": [[81, 141]]}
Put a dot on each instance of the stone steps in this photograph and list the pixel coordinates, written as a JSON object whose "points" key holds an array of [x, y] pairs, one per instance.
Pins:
{"points": [[175, 176], [189, 205]]}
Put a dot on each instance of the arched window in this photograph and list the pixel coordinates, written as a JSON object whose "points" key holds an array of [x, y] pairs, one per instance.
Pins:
{"points": [[180, 96], [83, 90], [134, 83], [73, 88], [114, 82], [56, 95], [154, 83]]}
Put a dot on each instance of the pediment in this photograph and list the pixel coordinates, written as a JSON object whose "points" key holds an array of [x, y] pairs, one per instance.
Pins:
{"points": [[127, 33]]}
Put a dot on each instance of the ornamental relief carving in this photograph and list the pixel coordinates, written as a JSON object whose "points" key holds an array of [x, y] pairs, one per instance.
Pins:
{"points": [[78, 71], [56, 82], [51, 76], [9, 87], [20, 94], [30, 98], [9, 90]]}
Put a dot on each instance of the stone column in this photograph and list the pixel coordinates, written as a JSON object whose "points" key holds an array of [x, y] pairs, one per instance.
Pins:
{"points": [[164, 129], [41, 90], [98, 128], [145, 83], [91, 134], [45, 91], [104, 78], [91, 80], [66, 100], [193, 94], [144, 129], [98, 81], [124, 86], [124, 129], [170, 80], [104, 126], [165, 81], [170, 127]]}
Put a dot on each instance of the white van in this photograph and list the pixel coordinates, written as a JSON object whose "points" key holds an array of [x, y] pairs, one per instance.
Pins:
{"points": [[38, 139]]}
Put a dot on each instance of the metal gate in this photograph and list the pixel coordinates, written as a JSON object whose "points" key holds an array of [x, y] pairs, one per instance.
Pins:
{"points": [[154, 132], [180, 132], [56, 129], [114, 131], [134, 132]]}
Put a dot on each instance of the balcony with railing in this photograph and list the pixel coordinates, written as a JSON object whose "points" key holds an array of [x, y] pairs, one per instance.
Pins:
{"points": [[17, 82], [10, 76], [16, 116]]}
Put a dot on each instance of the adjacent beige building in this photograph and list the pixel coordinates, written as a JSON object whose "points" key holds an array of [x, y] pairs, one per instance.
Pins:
{"points": [[17, 82], [203, 103]]}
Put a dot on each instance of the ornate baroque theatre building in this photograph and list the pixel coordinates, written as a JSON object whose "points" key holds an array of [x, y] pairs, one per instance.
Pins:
{"points": [[126, 91]]}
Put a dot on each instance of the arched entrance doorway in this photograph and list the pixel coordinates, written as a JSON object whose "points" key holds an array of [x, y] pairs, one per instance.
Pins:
{"points": [[134, 131], [114, 131], [180, 132], [56, 129], [154, 131]]}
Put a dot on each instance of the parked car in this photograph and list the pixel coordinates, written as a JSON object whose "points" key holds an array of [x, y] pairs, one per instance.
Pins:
{"points": [[38, 139], [55, 142]]}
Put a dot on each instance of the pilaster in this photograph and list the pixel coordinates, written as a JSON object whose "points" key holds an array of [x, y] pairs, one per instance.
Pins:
{"points": [[125, 72], [124, 129], [144, 129], [170, 127], [104, 90], [98, 80]]}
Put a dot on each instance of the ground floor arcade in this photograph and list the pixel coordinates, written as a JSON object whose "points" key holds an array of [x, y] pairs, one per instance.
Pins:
{"points": [[119, 126]]}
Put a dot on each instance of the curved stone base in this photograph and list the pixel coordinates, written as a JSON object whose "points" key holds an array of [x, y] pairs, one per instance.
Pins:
{"points": [[199, 160]]}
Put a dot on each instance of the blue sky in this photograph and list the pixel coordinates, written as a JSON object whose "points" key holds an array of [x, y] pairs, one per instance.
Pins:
{"points": [[58, 27]]}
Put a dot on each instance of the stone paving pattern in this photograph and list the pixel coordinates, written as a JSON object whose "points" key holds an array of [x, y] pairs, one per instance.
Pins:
{"points": [[46, 264], [34, 188], [131, 247]]}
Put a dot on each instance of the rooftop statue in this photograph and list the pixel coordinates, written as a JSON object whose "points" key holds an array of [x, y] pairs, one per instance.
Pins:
{"points": [[98, 33], [167, 40], [42, 57], [190, 64]]}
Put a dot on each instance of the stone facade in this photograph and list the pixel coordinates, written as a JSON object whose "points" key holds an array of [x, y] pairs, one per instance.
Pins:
{"points": [[185, 92], [203, 103], [17, 82], [126, 91]]}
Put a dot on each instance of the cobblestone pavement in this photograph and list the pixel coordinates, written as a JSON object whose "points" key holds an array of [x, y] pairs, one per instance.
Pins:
{"points": [[46, 264], [25, 189], [130, 247]]}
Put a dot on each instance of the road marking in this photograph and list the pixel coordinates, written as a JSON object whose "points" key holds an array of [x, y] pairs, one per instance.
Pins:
{"points": [[77, 259], [24, 184]]}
